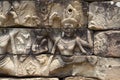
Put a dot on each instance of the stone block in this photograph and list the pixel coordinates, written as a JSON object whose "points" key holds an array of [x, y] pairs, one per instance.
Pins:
{"points": [[47, 65], [29, 79], [61, 66], [104, 15], [54, 13], [107, 43], [18, 13], [48, 13], [79, 78], [39, 41]]}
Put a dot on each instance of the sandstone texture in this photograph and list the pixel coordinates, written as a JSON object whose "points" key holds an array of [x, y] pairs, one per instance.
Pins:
{"points": [[104, 15], [59, 40]]}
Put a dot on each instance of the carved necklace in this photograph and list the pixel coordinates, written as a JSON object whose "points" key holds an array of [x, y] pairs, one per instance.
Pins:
{"points": [[65, 44]]}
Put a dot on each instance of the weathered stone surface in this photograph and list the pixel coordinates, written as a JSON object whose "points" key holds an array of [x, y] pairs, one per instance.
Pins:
{"points": [[37, 41], [79, 78], [107, 43], [29, 79], [46, 65], [33, 13], [104, 15], [23, 49], [16, 13], [101, 0], [22, 41], [87, 66], [62, 46], [54, 13], [108, 68]]}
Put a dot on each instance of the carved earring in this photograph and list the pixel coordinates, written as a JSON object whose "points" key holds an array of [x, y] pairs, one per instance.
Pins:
{"points": [[63, 34]]}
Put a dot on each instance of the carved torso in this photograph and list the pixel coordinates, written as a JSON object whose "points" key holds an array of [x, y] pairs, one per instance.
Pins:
{"points": [[66, 47]]}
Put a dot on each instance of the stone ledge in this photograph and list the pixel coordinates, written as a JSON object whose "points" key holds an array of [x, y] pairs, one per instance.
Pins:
{"points": [[29, 79], [79, 78], [87, 66]]}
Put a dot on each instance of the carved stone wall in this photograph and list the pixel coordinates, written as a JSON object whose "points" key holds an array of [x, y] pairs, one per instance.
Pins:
{"points": [[59, 40]]}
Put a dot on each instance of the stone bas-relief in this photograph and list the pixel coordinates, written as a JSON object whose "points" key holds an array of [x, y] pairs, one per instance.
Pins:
{"points": [[62, 46], [23, 48], [72, 10], [79, 78], [104, 15], [23, 41], [18, 13], [69, 40], [14, 41], [107, 43], [52, 12], [37, 66], [29, 41], [34, 13], [98, 68], [29, 79], [27, 65], [68, 78], [27, 14]]}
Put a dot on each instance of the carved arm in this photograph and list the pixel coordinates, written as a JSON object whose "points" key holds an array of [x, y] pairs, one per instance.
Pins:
{"points": [[80, 46], [54, 46], [12, 34], [90, 42]]}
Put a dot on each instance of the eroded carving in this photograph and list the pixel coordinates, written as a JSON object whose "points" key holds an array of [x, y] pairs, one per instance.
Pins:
{"points": [[73, 10], [44, 9], [104, 15], [29, 79], [23, 42], [67, 41], [40, 41], [107, 43], [26, 13], [26, 44], [62, 46], [5, 39], [65, 44], [18, 13], [38, 12], [7, 65], [7, 14]]}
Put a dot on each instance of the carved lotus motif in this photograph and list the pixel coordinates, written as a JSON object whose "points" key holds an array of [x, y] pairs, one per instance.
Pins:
{"points": [[30, 68]]}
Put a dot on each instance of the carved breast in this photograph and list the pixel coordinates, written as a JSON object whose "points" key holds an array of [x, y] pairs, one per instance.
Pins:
{"points": [[66, 47]]}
